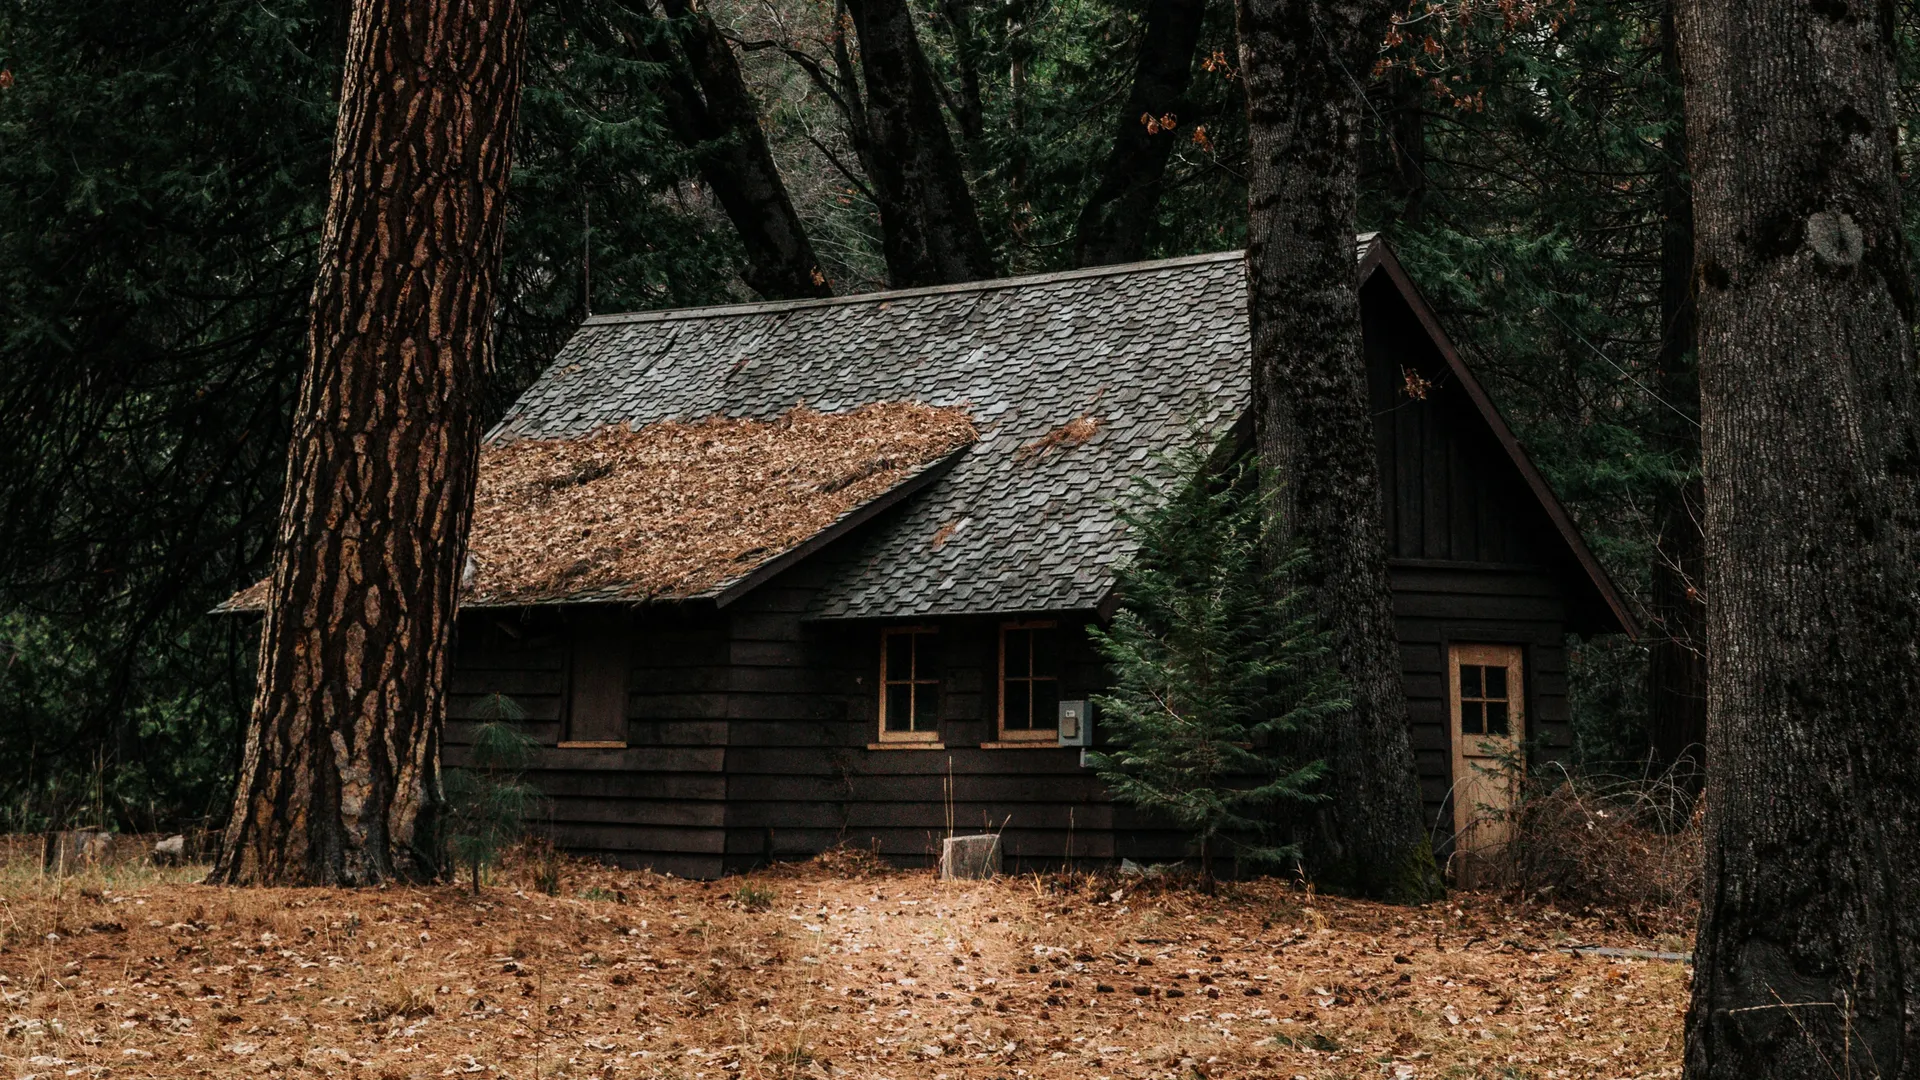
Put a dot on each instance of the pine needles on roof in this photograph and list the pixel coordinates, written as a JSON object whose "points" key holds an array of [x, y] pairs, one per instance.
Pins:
{"points": [[677, 508]]}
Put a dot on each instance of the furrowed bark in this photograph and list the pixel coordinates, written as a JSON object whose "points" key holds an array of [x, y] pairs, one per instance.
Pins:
{"points": [[930, 228], [718, 117], [1311, 422], [1808, 956], [1113, 224], [1677, 655], [339, 781]]}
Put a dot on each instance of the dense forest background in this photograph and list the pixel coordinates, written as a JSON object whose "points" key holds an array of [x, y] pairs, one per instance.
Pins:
{"points": [[163, 173]]}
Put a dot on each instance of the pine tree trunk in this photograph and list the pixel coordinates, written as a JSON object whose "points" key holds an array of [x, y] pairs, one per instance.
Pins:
{"points": [[930, 228], [716, 115], [1677, 655], [339, 781], [1808, 957], [1113, 224], [1301, 60]]}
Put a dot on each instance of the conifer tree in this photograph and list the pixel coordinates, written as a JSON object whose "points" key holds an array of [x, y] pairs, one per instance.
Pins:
{"points": [[1211, 675]]}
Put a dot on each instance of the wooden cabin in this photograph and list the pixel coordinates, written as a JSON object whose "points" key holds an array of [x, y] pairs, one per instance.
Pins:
{"points": [[884, 669]]}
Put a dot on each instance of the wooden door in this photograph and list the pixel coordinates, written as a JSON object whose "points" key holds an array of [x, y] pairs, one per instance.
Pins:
{"points": [[1487, 692]]}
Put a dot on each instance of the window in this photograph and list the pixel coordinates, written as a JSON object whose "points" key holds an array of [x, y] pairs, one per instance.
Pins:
{"points": [[909, 686], [1484, 706], [597, 684], [1030, 682]]}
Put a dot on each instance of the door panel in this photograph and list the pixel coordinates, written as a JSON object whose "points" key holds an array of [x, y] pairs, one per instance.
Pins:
{"points": [[1487, 695]]}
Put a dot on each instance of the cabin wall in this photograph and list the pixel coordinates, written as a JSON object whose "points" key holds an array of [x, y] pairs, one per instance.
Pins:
{"points": [[659, 800], [803, 776]]}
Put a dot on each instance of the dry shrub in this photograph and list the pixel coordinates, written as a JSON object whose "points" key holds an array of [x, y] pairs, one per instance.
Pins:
{"points": [[1627, 846], [847, 861]]}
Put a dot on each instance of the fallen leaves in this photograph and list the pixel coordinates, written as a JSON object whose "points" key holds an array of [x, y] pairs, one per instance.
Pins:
{"points": [[835, 969]]}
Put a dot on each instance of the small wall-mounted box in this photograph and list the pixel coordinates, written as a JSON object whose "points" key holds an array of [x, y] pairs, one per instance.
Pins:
{"points": [[1076, 723]]}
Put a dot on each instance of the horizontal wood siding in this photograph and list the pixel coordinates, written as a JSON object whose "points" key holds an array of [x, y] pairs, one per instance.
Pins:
{"points": [[660, 800], [1437, 606], [801, 777]]}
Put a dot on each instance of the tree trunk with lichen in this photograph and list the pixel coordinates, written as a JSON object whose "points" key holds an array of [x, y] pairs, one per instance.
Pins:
{"points": [[1808, 957], [339, 779], [1312, 426]]}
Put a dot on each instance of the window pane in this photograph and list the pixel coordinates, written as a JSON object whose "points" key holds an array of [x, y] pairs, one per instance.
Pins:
{"points": [[1019, 706], [1046, 704], [1046, 656], [1496, 717], [899, 657], [1019, 642], [1469, 680], [1470, 718], [1496, 682], [899, 707], [926, 706]]}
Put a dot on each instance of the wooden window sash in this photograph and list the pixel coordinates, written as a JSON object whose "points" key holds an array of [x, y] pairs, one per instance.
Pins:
{"points": [[913, 735], [1049, 734]]}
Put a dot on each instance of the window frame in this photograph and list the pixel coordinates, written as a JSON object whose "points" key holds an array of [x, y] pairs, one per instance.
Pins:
{"points": [[597, 649], [913, 735], [1047, 735]]}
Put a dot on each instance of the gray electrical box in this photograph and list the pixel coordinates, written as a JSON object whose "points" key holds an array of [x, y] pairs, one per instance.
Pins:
{"points": [[1076, 723]]}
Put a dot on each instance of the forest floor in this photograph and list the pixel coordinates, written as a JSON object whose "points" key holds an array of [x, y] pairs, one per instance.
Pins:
{"points": [[835, 968]]}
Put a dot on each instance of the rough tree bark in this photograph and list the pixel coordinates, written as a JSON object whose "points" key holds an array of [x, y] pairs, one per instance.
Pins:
{"points": [[1677, 656], [1113, 224], [339, 781], [1312, 428], [715, 114], [930, 228], [1808, 956]]}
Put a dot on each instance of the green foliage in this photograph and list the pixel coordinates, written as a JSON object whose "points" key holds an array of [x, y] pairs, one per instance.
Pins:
{"points": [[163, 173], [488, 803], [1216, 664], [753, 898]]}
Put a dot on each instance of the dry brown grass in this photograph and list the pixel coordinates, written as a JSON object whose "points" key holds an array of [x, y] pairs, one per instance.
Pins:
{"points": [[814, 972], [675, 508]]}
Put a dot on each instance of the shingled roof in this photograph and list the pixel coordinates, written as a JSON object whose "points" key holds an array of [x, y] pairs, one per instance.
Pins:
{"points": [[1076, 380]]}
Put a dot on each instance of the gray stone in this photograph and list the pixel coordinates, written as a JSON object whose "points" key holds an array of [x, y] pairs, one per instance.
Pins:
{"points": [[970, 858], [75, 849], [170, 852]]}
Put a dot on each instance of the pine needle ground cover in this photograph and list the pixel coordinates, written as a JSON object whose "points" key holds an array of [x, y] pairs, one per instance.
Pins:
{"points": [[832, 969], [679, 507]]}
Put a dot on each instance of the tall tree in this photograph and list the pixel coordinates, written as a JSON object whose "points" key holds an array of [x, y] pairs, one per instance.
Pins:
{"points": [[1113, 223], [713, 111], [930, 227], [1808, 956], [1301, 60], [339, 781]]}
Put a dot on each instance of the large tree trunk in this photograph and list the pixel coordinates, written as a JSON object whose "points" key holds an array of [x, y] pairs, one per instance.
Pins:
{"points": [[930, 229], [1808, 958], [1677, 661], [1113, 224], [715, 114], [339, 783], [1311, 418]]}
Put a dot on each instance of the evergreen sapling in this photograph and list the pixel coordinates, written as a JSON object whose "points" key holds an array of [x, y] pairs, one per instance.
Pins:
{"points": [[1215, 665], [487, 801]]}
